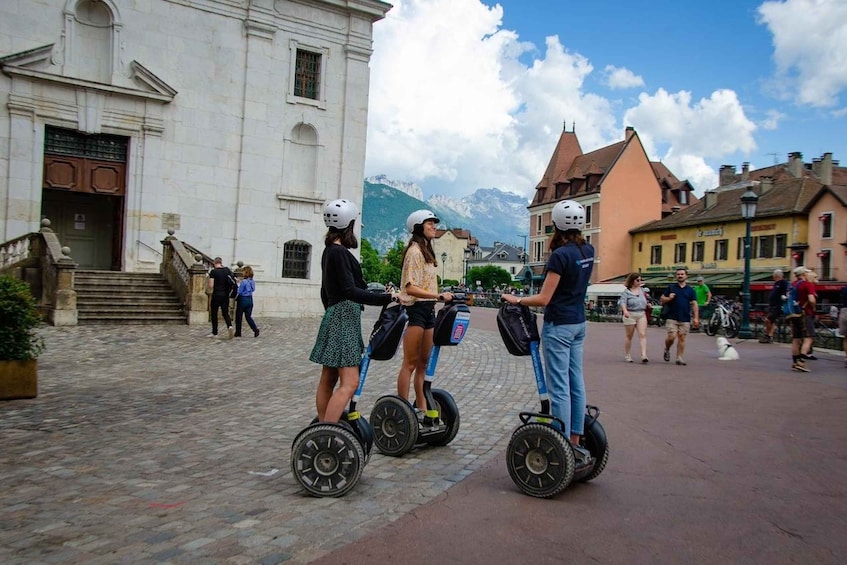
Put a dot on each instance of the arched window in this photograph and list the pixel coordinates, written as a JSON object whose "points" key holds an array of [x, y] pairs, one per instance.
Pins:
{"points": [[91, 39], [295, 259]]}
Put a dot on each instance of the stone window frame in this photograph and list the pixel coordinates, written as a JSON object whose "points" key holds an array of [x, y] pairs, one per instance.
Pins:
{"points": [[296, 258], [295, 46]]}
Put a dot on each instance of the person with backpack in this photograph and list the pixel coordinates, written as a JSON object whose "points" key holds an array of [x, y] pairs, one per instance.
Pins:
{"points": [[778, 295], [800, 310], [339, 346], [567, 275], [220, 284], [681, 300]]}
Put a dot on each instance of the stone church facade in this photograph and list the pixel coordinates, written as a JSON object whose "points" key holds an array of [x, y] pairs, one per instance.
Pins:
{"points": [[229, 122]]}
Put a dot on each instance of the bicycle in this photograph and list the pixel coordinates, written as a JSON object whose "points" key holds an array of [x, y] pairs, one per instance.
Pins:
{"points": [[724, 317]]}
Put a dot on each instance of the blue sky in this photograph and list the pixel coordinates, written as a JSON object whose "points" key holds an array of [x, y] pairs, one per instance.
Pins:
{"points": [[469, 94]]}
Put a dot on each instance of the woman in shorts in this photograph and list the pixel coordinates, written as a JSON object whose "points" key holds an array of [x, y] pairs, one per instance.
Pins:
{"points": [[634, 304]]}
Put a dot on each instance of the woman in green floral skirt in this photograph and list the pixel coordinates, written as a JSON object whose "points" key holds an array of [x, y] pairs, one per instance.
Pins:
{"points": [[339, 345]]}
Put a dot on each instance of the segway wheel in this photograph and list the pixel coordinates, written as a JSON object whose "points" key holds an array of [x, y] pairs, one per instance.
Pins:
{"points": [[327, 460], [594, 440], [395, 427], [449, 413], [540, 460], [361, 428]]}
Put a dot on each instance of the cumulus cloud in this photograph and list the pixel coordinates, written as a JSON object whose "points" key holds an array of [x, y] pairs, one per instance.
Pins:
{"points": [[622, 78], [772, 119], [810, 47], [457, 103]]}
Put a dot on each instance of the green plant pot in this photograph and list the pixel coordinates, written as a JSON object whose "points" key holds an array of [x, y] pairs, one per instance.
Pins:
{"points": [[18, 379]]}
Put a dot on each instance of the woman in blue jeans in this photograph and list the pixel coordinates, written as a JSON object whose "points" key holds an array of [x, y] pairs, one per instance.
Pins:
{"points": [[567, 276], [244, 302]]}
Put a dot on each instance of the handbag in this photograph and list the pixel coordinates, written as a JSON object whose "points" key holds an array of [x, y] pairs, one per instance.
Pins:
{"points": [[233, 286]]}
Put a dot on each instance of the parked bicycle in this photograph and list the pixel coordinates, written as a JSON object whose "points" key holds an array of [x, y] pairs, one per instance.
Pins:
{"points": [[725, 317]]}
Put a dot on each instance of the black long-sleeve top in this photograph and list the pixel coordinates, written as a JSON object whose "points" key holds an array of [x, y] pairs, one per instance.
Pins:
{"points": [[343, 280]]}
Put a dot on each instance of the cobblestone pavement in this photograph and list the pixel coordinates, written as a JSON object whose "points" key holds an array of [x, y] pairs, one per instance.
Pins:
{"points": [[156, 444]]}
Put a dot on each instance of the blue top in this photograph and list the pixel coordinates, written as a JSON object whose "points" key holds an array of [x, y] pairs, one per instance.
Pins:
{"points": [[681, 304], [573, 264], [246, 287]]}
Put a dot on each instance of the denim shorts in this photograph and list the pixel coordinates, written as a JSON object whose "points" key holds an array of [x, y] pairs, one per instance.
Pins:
{"points": [[422, 314]]}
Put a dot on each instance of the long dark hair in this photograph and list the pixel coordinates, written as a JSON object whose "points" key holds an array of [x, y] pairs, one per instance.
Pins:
{"points": [[345, 236], [561, 238], [424, 244]]}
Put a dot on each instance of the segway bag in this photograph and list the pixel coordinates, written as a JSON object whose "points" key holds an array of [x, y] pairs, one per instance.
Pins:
{"points": [[451, 324], [387, 333], [517, 327]]}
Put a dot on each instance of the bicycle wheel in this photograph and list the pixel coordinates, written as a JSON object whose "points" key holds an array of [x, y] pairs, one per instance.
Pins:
{"points": [[713, 325], [731, 328]]}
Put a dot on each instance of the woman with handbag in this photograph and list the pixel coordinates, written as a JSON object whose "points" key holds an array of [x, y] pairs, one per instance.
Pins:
{"points": [[634, 305]]}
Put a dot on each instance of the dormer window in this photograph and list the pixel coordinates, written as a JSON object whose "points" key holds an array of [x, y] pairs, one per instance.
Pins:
{"points": [[683, 197]]}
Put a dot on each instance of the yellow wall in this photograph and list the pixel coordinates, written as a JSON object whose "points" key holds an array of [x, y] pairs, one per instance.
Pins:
{"points": [[709, 233]]}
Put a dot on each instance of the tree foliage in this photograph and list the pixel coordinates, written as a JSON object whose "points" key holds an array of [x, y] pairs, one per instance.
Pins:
{"points": [[18, 320], [379, 269], [371, 264], [488, 276]]}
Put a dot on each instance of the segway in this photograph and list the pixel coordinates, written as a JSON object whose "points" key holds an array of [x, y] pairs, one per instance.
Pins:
{"points": [[540, 457], [327, 459], [397, 429]]}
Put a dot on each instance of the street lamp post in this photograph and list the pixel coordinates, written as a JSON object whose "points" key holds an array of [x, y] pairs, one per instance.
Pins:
{"points": [[748, 212], [466, 255], [443, 266]]}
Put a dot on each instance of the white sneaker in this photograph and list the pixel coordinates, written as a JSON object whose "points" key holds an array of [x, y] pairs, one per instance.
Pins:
{"points": [[231, 331], [628, 358], [212, 335]]}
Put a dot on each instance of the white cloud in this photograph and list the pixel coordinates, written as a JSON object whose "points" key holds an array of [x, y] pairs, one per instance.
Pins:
{"points": [[810, 47], [771, 122], [622, 78], [459, 103]]}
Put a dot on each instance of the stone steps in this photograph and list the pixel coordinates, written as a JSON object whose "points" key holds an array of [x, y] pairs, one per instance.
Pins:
{"points": [[108, 297]]}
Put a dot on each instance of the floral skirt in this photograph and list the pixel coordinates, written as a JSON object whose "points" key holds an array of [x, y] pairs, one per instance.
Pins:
{"points": [[339, 342]]}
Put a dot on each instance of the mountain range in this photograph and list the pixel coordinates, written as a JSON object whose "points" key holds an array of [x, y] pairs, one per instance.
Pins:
{"points": [[489, 213]]}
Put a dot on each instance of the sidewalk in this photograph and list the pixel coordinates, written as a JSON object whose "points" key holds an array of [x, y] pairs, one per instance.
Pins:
{"points": [[155, 444]]}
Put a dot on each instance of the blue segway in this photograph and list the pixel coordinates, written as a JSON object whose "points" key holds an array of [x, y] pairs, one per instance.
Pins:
{"points": [[540, 457], [327, 459], [397, 429]]}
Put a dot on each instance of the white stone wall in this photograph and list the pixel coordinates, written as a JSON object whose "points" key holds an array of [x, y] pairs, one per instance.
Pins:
{"points": [[221, 154]]}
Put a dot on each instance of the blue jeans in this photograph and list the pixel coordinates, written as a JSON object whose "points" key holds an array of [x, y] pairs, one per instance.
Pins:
{"points": [[563, 345]]}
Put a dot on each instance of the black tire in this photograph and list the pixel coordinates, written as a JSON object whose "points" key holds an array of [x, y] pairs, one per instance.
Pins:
{"points": [[540, 460], [327, 460], [395, 427], [731, 330], [713, 325], [361, 428], [594, 440], [449, 414]]}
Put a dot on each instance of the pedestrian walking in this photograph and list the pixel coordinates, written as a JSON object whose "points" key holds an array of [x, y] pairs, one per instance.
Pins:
{"points": [[244, 302], [419, 293], [634, 304], [220, 283], [704, 299], [682, 301], [778, 295], [567, 275], [339, 344], [802, 326]]}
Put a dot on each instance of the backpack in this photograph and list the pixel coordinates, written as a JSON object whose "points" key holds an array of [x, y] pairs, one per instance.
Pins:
{"points": [[517, 327], [791, 308], [387, 332], [233, 285]]}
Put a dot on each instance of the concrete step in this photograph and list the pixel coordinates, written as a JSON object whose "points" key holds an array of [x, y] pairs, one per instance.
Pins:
{"points": [[109, 297]]}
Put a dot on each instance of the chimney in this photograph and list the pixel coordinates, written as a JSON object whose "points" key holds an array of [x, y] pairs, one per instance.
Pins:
{"points": [[628, 132], [711, 198], [745, 170], [726, 175], [825, 174], [795, 164], [766, 184]]}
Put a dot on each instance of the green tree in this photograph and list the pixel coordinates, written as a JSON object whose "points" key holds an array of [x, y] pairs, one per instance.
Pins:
{"points": [[371, 264], [392, 267], [488, 276]]}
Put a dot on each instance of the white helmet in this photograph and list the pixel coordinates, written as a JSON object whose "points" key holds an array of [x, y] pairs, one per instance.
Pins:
{"points": [[568, 215], [339, 213], [418, 218]]}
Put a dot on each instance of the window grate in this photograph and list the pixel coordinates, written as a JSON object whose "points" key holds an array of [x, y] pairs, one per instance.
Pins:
{"points": [[58, 141], [307, 74], [295, 260]]}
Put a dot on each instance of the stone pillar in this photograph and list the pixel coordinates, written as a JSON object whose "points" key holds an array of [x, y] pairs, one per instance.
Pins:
{"points": [[197, 301], [64, 311]]}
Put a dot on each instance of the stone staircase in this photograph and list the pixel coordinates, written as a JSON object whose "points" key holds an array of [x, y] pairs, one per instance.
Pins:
{"points": [[111, 297]]}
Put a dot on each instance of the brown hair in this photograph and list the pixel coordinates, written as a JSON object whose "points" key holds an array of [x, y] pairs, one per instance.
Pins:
{"points": [[424, 244], [345, 236], [630, 280], [561, 238], [247, 272]]}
